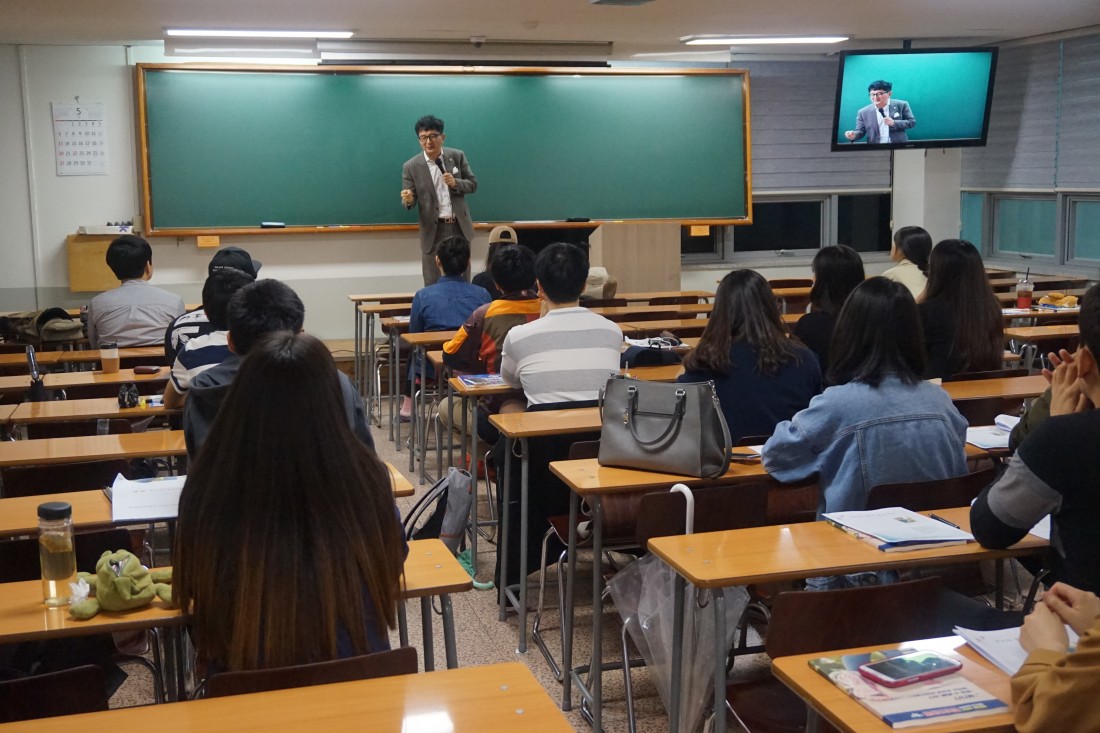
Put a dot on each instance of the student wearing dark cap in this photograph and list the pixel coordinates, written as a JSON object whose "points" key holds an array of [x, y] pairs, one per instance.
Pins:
{"points": [[196, 323], [499, 237]]}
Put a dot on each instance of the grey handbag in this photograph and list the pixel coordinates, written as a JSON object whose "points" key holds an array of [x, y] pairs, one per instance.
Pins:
{"points": [[673, 428]]}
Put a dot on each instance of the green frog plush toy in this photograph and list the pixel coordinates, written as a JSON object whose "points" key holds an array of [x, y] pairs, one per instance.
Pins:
{"points": [[120, 583]]}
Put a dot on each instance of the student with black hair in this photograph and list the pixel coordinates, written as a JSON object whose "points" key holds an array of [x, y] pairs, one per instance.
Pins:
{"points": [[910, 250], [202, 352], [1056, 469], [837, 271], [135, 313], [255, 311], [881, 423], [443, 305], [960, 315], [760, 375]]}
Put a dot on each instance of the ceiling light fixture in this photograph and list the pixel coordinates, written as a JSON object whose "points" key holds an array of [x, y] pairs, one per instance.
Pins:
{"points": [[758, 40], [198, 33]]}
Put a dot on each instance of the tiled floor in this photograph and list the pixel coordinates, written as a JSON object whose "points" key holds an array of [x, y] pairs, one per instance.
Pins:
{"points": [[482, 639]]}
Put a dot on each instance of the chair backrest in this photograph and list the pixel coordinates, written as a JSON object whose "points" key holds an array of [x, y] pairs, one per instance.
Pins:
{"points": [[365, 667], [717, 508], [49, 479], [991, 374], [19, 558], [804, 622], [674, 300], [604, 302], [71, 428], [921, 496], [584, 449], [71, 691], [984, 410], [791, 282]]}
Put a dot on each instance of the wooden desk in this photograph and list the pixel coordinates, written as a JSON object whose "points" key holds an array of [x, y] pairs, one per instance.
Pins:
{"points": [[794, 551], [497, 697], [44, 359], [843, 712], [1007, 387], [91, 509], [365, 320], [1038, 315], [643, 296], [364, 335], [1009, 298], [631, 312], [94, 355], [63, 380], [90, 409], [1042, 333], [431, 570], [1047, 282], [420, 343], [681, 327], [92, 448]]}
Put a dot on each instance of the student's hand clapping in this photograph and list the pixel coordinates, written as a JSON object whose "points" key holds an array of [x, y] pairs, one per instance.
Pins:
{"points": [[1066, 396]]}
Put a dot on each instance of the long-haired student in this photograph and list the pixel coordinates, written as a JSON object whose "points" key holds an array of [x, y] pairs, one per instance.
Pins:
{"points": [[881, 423], [288, 549], [761, 376], [963, 330]]}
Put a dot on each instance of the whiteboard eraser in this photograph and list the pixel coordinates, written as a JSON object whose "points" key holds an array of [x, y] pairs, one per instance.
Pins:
{"points": [[272, 224]]}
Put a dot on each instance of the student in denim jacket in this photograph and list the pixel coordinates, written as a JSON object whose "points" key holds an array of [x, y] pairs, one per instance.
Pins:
{"points": [[881, 423]]}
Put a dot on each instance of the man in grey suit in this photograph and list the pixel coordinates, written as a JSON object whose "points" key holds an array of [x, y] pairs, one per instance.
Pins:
{"points": [[438, 180], [883, 120]]}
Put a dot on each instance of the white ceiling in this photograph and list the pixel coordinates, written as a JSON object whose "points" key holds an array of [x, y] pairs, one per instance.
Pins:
{"points": [[652, 28]]}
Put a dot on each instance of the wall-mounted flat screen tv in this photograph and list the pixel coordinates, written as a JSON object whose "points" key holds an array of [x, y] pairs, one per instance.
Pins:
{"points": [[925, 98]]}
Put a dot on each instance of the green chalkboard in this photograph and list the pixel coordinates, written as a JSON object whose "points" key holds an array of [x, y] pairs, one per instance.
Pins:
{"points": [[231, 148]]}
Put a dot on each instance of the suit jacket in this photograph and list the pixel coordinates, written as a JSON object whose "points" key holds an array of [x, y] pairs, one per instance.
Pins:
{"points": [[867, 122], [416, 177]]}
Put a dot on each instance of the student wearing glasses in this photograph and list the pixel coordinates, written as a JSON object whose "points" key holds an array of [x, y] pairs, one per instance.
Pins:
{"points": [[438, 180], [884, 120]]}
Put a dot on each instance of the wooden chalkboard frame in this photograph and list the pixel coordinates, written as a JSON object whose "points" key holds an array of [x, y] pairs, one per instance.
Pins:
{"points": [[148, 207]]}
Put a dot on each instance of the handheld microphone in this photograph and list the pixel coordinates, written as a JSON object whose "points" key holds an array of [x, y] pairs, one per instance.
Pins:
{"points": [[882, 112], [439, 162]]}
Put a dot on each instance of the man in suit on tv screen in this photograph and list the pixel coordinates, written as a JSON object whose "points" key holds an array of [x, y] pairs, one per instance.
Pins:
{"points": [[884, 120]]}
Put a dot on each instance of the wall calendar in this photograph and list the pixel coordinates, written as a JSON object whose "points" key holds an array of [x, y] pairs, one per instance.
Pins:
{"points": [[80, 139]]}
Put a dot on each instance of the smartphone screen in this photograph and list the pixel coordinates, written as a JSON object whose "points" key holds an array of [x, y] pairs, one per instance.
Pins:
{"points": [[909, 668]]}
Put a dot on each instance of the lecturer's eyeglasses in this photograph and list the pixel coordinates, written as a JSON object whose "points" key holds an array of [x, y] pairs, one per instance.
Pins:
{"points": [[873, 94], [425, 138]]}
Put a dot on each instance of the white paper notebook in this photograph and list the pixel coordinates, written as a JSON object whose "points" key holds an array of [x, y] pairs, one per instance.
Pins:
{"points": [[145, 499]]}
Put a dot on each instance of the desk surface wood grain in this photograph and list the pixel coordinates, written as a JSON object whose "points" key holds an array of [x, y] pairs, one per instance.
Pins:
{"points": [[89, 409], [497, 697], [92, 448], [795, 551]]}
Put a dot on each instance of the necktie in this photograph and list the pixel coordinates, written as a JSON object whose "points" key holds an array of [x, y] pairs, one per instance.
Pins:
{"points": [[439, 162]]}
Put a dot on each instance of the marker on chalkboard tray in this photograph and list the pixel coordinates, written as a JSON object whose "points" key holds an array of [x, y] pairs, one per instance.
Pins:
{"points": [[272, 225], [578, 219]]}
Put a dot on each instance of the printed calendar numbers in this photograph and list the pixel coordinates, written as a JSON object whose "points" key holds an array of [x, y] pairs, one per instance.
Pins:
{"points": [[80, 139]]}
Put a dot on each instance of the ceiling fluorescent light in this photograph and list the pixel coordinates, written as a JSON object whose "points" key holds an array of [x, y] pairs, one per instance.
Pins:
{"points": [[243, 48], [475, 50], [758, 40], [198, 33]]}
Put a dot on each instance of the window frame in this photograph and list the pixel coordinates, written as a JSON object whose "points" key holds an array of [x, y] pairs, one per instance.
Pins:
{"points": [[725, 252]]}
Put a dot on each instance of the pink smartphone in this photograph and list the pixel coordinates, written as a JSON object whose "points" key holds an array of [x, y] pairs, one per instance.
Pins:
{"points": [[909, 668]]}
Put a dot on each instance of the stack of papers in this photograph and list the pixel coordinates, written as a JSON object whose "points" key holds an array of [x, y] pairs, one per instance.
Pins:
{"points": [[1002, 647], [992, 436], [145, 499], [897, 530]]}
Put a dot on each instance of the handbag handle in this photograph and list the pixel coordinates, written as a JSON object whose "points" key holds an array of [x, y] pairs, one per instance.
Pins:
{"points": [[673, 419]]}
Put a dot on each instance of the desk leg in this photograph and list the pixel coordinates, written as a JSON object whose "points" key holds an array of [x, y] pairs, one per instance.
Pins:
{"points": [[449, 631], [357, 349], [502, 540], [718, 600], [467, 403], [677, 654], [426, 628], [524, 488], [567, 620], [595, 669], [402, 625], [392, 378], [999, 583], [418, 399], [367, 374]]}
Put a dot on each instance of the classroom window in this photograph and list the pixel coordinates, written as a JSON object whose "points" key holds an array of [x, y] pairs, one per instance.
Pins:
{"points": [[793, 226], [1083, 231], [1025, 226], [972, 210]]}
